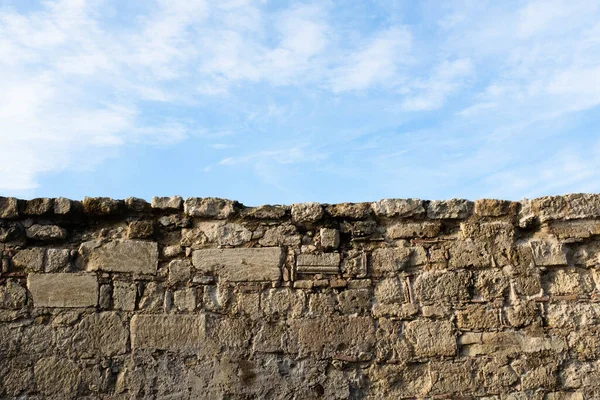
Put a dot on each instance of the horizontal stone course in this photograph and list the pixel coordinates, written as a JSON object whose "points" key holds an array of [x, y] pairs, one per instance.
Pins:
{"points": [[207, 298]]}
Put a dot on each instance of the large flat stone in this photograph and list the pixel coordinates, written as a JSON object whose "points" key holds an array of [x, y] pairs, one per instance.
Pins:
{"points": [[63, 289], [236, 265], [120, 256], [168, 332], [324, 263]]}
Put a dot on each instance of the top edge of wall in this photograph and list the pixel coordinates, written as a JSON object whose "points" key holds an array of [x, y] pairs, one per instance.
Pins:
{"points": [[542, 209]]}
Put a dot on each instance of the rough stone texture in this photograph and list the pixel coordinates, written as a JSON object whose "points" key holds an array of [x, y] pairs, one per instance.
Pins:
{"points": [[120, 256], [63, 289], [261, 264], [403, 299]]}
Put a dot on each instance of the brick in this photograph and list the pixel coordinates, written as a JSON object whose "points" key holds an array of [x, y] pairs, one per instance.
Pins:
{"points": [[63, 289], [238, 265], [120, 256], [168, 332]]}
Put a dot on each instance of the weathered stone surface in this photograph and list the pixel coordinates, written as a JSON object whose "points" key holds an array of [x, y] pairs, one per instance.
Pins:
{"points": [[46, 232], [32, 260], [257, 264], [392, 260], [57, 377], [9, 207], [450, 209], [342, 336], [120, 256], [208, 207], [63, 289], [403, 208], [508, 343], [57, 260], [168, 332], [63, 206], [431, 338], [442, 286], [174, 203], [264, 212], [39, 206], [12, 295], [495, 208], [137, 205], [306, 212], [567, 207], [330, 238], [389, 291], [140, 229], [349, 210], [124, 295], [548, 253], [103, 334], [323, 263], [408, 230], [281, 235], [574, 230], [102, 206], [180, 271]]}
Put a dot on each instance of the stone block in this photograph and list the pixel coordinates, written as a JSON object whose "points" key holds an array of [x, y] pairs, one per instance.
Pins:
{"points": [[450, 209], [349, 210], [574, 230], [402, 208], [124, 295], [237, 265], [64, 206], [468, 253], [264, 212], [168, 332], [101, 334], [174, 203], [547, 253], [330, 238], [57, 377], [39, 206], [490, 284], [409, 230], [354, 264], [31, 260], [180, 271], [390, 291], [12, 295], [140, 229], [567, 207], [46, 232], [306, 212], [495, 208], [332, 336], [322, 263], [431, 338], [63, 289], [355, 301], [442, 286], [9, 207], [282, 302], [56, 260], [478, 317], [209, 207], [567, 281], [135, 256], [508, 343], [101, 206], [185, 299], [391, 260]]}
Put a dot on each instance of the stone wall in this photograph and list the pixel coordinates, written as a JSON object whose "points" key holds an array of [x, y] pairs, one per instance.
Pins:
{"points": [[208, 299]]}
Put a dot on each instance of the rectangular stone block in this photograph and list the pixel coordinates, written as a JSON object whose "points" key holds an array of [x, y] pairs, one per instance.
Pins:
{"points": [[507, 343], [338, 337], [63, 290], [548, 254], [324, 263], [168, 332], [238, 265], [432, 338], [136, 256]]}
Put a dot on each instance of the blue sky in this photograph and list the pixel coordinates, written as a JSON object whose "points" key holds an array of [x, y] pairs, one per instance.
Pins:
{"points": [[283, 102]]}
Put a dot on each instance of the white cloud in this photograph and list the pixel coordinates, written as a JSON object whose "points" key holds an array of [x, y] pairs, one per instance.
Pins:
{"points": [[431, 93], [374, 63]]}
